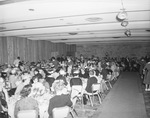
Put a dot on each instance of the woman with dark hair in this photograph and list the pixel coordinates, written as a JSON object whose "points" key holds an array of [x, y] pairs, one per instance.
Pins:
{"points": [[26, 103]]}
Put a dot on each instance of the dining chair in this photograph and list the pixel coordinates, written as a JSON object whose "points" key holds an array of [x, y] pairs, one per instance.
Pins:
{"points": [[27, 114], [61, 112], [108, 80], [95, 92], [76, 94]]}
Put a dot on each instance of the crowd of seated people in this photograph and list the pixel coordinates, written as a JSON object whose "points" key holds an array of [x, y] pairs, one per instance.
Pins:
{"points": [[45, 80]]}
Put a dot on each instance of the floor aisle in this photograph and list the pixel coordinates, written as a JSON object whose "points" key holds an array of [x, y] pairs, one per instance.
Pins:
{"points": [[124, 100]]}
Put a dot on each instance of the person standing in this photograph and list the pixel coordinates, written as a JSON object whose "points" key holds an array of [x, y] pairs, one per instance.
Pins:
{"points": [[17, 61], [146, 81]]}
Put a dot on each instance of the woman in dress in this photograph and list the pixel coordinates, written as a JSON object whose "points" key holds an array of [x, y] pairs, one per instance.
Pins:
{"points": [[147, 76]]}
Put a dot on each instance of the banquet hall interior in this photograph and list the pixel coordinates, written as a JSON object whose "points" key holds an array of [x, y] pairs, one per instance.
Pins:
{"points": [[78, 58]]}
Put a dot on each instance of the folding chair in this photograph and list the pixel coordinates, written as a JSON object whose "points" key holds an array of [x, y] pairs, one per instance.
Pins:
{"points": [[27, 114], [76, 94], [95, 91], [61, 112], [108, 79]]}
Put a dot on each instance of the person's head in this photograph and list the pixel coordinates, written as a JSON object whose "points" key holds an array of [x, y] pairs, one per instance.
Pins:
{"points": [[36, 71], [76, 72], [25, 91], [26, 78], [3, 75], [91, 73], [53, 59], [58, 86], [13, 71], [36, 78], [69, 58], [41, 71], [62, 72], [18, 58]]}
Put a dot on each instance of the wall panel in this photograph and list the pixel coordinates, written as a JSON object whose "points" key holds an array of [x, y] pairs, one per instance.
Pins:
{"points": [[29, 50], [4, 50], [115, 50]]}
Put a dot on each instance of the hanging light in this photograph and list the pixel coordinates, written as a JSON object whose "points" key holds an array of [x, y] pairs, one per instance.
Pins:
{"points": [[121, 16], [124, 23], [127, 33]]}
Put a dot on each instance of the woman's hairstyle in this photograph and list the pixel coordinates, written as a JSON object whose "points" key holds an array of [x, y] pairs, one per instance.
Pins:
{"points": [[58, 85], [18, 57], [91, 72], [26, 90], [36, 70], [75, 72], [37, 76]]}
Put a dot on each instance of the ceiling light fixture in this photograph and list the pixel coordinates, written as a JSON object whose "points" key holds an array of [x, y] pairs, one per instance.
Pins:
{"points": [[123, 18], [31, 9], [73, 33], [124, 23], [116, 37], [148, 30], [127, 33], [64, 39], [121, 15], [94, 19]]}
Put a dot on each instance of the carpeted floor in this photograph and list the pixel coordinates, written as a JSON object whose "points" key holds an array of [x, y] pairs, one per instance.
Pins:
{"points": [[90, 112], [146, 95], [124, 100]]}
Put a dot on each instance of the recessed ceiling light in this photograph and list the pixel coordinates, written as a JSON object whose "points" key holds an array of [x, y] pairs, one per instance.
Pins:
{"points": [[94, 19], [116, 37], [69, 23], [31, 9], [148, 30], [73, 33], [64, 39], [2, 28]]}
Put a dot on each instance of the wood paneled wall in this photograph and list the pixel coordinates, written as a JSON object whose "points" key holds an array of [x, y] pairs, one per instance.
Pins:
{"points": [[30, 50]]}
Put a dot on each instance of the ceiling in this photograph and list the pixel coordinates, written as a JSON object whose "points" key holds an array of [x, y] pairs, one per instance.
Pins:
{"points": [[75, 21]]}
